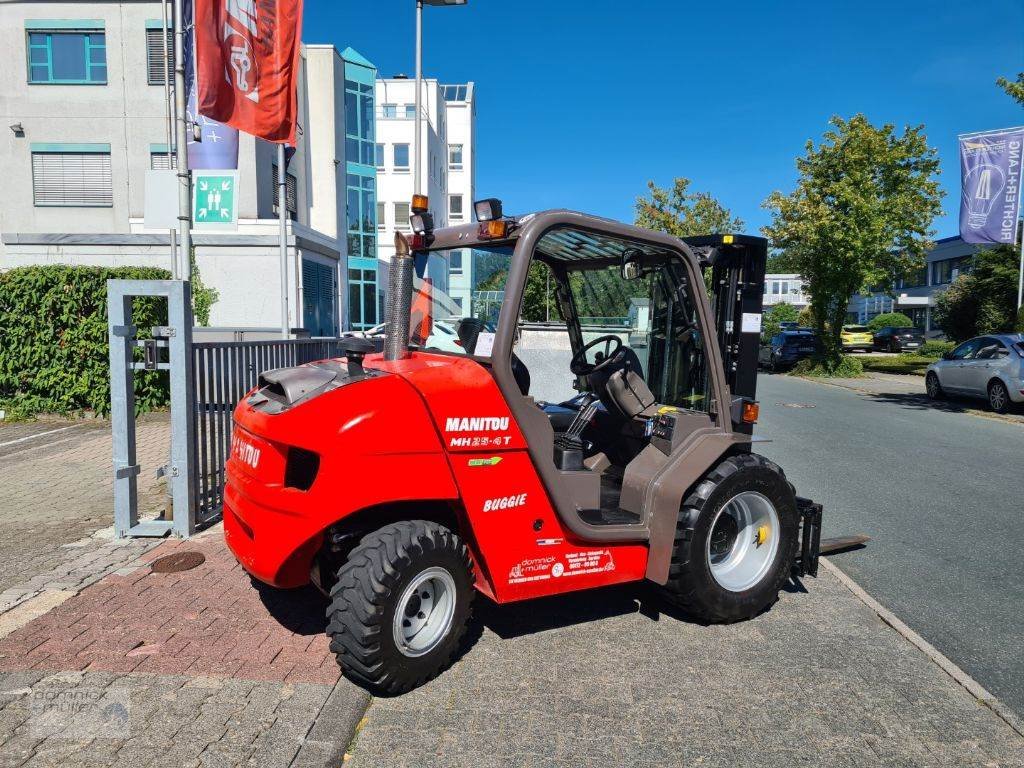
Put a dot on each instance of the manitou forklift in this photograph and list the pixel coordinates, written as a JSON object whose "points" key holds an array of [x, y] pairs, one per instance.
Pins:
{"points": [[403, 480]]}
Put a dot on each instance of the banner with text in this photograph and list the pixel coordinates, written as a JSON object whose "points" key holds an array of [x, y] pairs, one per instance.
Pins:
{"points": [[247, 61], [217, 145], [990, 174]]}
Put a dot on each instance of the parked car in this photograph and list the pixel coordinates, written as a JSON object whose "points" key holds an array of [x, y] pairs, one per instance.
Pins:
{"points": [[443, 336], [789, 325], [892, 339], [854, 337], [786, 349], [991, 367]]}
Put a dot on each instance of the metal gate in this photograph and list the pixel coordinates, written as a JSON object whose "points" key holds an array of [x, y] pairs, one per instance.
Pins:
{"points": [[222, 372]]}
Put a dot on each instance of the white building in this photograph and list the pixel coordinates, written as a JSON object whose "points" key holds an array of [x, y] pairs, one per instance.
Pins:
{"points": [[447, 172], [785, 289], [83, 109]]}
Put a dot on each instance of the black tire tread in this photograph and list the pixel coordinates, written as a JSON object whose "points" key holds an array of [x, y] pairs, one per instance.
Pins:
{"points": [[683, 595], [366, 582]]}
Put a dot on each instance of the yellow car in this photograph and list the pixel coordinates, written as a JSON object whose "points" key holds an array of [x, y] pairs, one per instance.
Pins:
{"points": [[857, 337]]}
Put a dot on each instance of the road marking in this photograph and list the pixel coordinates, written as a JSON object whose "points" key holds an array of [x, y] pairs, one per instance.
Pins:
{"points": [[41, 434]]}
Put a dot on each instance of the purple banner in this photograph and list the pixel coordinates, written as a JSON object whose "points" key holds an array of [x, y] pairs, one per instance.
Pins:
{"points": [[990, 173], [218, 147]]}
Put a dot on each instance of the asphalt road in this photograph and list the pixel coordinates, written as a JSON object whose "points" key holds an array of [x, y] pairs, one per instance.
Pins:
{"points": [[941, 493]]}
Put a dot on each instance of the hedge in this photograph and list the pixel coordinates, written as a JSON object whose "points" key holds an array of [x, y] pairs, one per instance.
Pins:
{"points": [[54, 354], [896, 319]]}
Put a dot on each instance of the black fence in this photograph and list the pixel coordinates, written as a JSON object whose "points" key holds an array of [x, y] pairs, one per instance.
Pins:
{"points": [[222, 372]]}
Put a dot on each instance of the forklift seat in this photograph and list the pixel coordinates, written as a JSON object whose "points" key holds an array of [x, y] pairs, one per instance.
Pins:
{"points": [[631, 395]]}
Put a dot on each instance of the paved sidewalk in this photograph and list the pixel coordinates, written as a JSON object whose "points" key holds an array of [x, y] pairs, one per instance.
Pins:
{"points": [[201, 668], [908, 391], [57, 491]]}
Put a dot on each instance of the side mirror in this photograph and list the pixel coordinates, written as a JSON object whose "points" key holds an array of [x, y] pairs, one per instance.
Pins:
{"points": [[947, 355], [632, 269]]}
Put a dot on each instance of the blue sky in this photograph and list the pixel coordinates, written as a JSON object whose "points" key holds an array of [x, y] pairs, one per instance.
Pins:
{"points": [[580, 103]]}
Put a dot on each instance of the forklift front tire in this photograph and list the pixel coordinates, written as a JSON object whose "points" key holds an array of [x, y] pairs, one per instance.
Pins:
{"points": [[401, 605], [736, 540]]}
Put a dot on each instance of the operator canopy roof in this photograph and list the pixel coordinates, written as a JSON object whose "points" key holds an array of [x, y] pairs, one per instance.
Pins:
{"points": [[576, 245]]}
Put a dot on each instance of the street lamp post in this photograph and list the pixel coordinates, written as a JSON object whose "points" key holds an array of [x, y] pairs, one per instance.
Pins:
{"points": [[418, 121]]}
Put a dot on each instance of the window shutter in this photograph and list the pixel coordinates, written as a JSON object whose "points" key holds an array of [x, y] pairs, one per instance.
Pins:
{"points": [[72, 179], [155, 55], [158, 161]]}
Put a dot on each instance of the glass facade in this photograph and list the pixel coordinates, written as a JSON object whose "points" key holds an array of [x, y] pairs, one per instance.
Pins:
{"points": [[361, 160]]}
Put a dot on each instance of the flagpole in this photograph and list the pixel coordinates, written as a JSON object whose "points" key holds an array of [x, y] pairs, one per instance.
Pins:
{"points": [[184, 185], [417, 124], [282, 221]]}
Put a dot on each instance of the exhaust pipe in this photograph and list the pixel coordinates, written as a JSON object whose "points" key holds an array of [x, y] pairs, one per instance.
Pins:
{"points": [[399, 302]]}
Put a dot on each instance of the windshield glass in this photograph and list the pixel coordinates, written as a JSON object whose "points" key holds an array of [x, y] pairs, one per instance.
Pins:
{"points": [[457, 295]]}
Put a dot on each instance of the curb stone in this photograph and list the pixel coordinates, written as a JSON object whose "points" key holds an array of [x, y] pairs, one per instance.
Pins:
{"points": [[968, 683]]}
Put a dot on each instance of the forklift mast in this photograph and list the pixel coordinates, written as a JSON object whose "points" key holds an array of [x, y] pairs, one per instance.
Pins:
{"points": [[737, 264]]}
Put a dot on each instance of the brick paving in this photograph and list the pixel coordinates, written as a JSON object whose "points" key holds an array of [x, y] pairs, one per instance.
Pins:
{"points": [[210, 620], [57, 491]]}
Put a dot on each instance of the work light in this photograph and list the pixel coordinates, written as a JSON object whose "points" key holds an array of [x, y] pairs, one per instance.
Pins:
{"points": [[487, 210]]}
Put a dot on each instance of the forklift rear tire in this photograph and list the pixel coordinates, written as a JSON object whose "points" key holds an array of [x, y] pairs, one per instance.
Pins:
{"points": [[400, 606], [736, 539]]}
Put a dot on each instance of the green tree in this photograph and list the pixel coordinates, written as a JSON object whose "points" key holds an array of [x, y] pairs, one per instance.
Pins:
{"points": [[1014, 88], [894, 319], [681, 213], [860, 215], [984, 298], [539, 302], [775, 316], [780, 263]]}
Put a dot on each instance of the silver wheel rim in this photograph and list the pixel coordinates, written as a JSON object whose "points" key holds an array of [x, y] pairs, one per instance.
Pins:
{"points": [[932, 384], [424, 612], [997, 396], [743, 541]]}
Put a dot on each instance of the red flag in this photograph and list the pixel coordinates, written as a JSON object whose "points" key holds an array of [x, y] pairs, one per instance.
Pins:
{"points": [[247, 63]]}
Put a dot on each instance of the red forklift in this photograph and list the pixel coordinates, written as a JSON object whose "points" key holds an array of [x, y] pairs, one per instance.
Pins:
{"points": [[403, 478]]}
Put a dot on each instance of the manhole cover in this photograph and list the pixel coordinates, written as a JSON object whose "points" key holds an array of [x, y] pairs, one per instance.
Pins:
{"points": [[796, 405], [179, 561]]}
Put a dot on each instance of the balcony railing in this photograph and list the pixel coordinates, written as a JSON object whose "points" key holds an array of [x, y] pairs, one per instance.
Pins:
{"points": [[786, 298]]}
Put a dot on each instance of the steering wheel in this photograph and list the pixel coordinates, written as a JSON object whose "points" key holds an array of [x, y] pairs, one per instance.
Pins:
{"points": [[579, 364]]}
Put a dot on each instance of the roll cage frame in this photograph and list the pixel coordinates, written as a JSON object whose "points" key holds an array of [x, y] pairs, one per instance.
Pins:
{"points": [[711, 435]]}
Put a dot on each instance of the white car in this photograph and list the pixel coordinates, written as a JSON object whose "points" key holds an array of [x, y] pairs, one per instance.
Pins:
{"points": [[991, 367], [442, 336]]}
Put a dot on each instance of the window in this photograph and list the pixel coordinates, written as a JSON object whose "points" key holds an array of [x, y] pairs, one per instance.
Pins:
{"points": [[410, 111], [402, 217], [389, 111], [454, 92], [967, 350], [401, 156], [155, 53], [67, 57], [381, 225], [947, 270], [72, 175], [776, 287], [991, 349], [360, 146], [160, 160], [455, 157], [455, 207], [455, 263], [361, 213], [290, 192], [362, 298], [378, 156]]}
